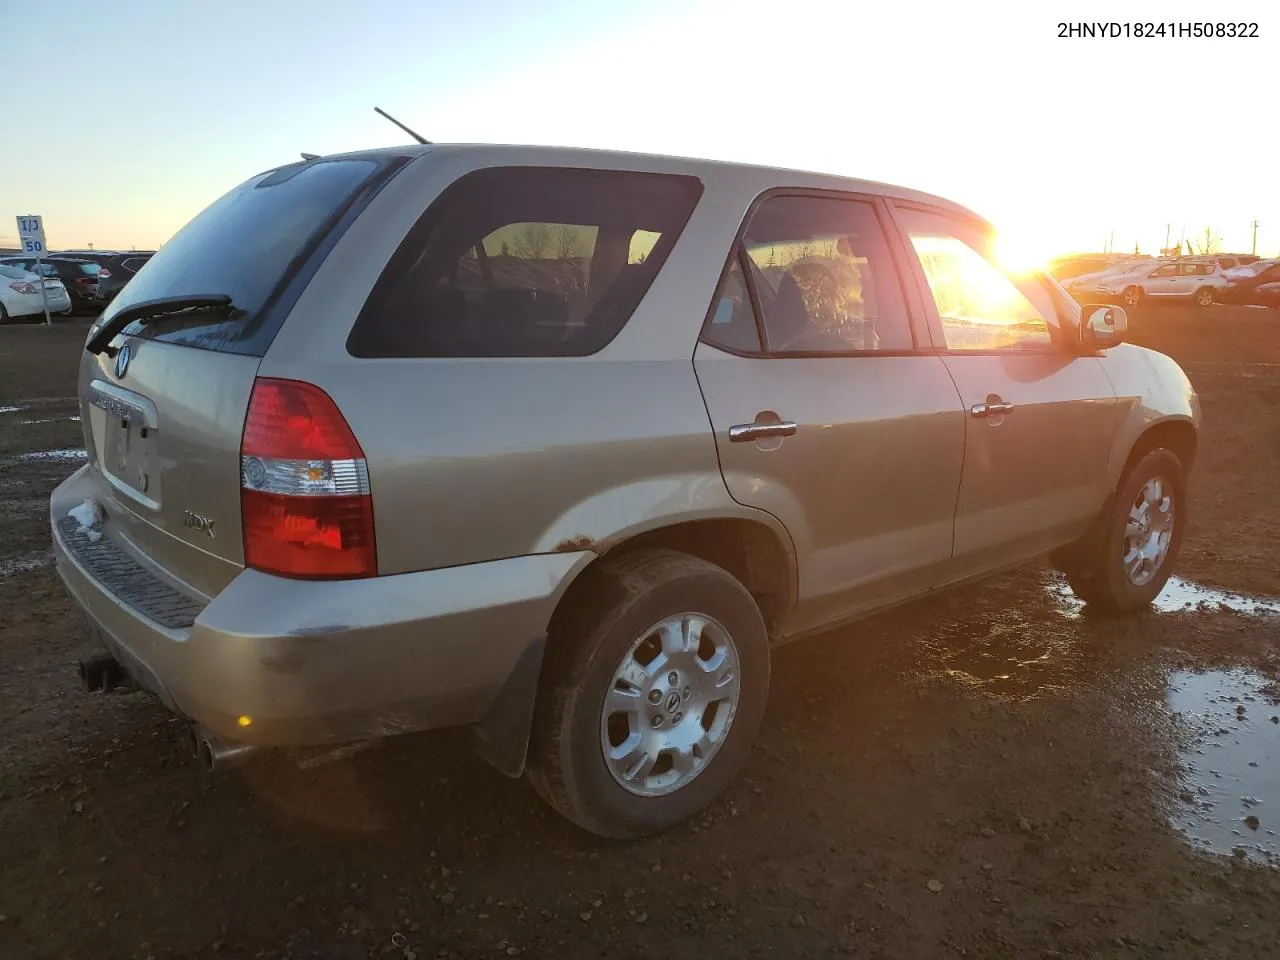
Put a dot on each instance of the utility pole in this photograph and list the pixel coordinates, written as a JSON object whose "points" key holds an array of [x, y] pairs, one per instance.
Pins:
{"points": [[1167, 228], [1253, 249]]}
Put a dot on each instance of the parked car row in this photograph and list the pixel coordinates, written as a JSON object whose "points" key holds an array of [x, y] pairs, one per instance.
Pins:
{"points": [[1203, 280], [91, 278]]}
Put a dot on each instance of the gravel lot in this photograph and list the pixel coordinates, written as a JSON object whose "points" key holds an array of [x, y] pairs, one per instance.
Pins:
{"points": [[988, 773]]}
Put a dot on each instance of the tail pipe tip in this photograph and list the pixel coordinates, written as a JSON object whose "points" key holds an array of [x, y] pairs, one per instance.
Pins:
{"points": [[216, 754]]}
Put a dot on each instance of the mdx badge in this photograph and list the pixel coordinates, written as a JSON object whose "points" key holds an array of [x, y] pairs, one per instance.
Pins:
{"points": [[196, 521]]}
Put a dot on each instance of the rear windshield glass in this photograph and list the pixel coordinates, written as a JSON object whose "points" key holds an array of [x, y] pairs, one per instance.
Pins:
{"points": [[248, 245], [525, 262], [15, 273]]}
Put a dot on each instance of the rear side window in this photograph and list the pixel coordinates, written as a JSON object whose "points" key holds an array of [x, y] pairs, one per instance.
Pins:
{"points": [[824, 278], [253, 244], [134, 264], [525, 262]]}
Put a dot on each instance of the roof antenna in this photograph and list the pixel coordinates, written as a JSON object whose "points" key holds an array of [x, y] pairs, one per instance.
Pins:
{"points": [[311, 156], [416, 136]]}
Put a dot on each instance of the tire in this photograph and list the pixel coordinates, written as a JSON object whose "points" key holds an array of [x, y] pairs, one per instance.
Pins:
{"points": [[1101, 575], [1132, 296], [1204, 297], [4, 315], [608, 622]]}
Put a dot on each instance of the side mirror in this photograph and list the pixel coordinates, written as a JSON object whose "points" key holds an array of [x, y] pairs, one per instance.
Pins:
{"points": [[1102, 326]]}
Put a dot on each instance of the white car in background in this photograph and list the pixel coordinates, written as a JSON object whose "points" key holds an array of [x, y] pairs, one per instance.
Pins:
{"points": [[1088, 284], [1198, 280], [20, 295]]}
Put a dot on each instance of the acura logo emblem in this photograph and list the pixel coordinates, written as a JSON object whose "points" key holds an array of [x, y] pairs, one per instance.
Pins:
{"points": [[122, 360]]}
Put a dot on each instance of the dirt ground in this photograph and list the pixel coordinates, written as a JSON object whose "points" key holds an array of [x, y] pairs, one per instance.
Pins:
{"points": [[987, 773]]}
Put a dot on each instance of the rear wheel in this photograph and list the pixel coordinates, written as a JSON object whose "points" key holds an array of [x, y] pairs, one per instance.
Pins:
{"points": [[1204, 297], [653, 691], [1132, 296], [4, 314], [1130, 560]]}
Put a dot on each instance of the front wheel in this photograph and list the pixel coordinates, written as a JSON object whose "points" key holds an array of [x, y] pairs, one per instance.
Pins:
{"points": [[1129, 563], [1204, 297], [1132, 296], [653, 691]]}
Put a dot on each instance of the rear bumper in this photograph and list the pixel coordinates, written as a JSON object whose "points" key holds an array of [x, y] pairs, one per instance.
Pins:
{"points": [[312, 662]]}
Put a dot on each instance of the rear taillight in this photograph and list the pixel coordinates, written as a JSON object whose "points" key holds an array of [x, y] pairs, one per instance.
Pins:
{"points": [[304, 486], [104, 274], [23, 287]]}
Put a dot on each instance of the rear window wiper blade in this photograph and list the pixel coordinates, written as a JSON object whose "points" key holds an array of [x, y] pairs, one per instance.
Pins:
{"points": [[150, 310]]}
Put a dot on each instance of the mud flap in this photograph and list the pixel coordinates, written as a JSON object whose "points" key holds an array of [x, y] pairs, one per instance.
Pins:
{"points": [[502, 735]]}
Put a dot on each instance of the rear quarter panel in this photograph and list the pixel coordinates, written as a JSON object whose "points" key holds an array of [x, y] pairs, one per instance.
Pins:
{"points": [[477, 459]]}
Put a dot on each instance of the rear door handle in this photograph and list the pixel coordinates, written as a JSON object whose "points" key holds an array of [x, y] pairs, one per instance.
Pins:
{"points": [[988, 409], [747, 432]]}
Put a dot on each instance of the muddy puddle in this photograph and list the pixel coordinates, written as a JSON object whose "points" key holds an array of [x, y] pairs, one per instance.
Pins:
{"points": [[1230, 797], [1021, 651], [1178, 595]]}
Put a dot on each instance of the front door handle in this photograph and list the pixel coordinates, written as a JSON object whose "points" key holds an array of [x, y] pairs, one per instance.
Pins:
{"points": [[993, 407], [748, 432]]}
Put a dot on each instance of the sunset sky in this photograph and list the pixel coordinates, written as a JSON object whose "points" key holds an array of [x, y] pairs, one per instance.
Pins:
{"points": [[127, 128]]}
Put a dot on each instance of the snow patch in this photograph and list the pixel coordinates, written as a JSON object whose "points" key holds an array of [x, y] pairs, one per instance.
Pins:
{"points": [[11, 409], [69, 453], [34, 561], [88, 515]]}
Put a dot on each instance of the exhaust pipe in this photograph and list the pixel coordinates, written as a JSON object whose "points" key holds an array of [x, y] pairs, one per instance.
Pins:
{"points": [[216, 754]]}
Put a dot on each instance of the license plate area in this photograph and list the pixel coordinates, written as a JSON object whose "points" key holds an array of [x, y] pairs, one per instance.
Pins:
{"points": [[126, 431]]}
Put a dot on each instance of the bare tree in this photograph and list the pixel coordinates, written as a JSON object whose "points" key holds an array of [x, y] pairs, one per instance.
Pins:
{"points": [[829, 248], [566, 242], [532, 240], [1209, 243]]}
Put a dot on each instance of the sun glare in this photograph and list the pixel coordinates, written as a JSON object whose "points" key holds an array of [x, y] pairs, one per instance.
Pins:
{"points": [[1018, 252]]}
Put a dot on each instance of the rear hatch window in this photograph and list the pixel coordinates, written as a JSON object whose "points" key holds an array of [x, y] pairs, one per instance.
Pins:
{"points": [[258, 244]]}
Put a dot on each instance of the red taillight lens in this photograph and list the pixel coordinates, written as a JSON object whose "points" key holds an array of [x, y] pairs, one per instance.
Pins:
{"points": [[296, 420], [104, 274], [305, 502], [23, 287]]}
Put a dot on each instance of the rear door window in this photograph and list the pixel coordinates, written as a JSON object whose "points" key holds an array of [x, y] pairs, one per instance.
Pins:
{"points": [[824, 277], [525, 262], [253, 244]]}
